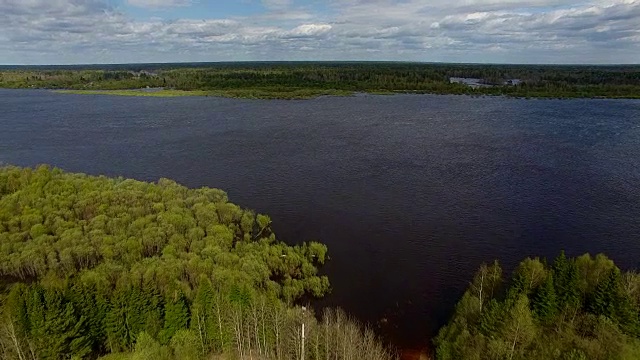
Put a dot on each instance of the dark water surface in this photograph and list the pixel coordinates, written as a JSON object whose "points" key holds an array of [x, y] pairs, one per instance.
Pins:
{"points": [[411, 193]]}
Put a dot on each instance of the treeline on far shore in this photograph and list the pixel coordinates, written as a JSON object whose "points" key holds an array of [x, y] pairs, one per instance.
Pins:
{"points": [[304, 80]]}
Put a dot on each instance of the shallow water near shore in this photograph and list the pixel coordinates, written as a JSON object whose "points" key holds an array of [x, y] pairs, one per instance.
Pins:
{"points": [[410, 192]]}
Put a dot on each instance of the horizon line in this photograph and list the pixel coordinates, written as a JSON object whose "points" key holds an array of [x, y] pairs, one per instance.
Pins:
{"points": [[318, 61]]}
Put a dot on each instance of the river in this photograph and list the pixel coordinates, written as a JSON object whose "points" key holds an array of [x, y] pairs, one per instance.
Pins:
{"points": [[410, 192]]}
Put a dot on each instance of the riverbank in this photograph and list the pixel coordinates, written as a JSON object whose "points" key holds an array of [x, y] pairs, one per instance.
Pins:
{"points": [[289, 94], [305, 94], [310, 80]]}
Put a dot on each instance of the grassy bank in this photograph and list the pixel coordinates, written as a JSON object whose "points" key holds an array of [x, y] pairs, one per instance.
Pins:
{"points": [[158, 93], [264, 93]]}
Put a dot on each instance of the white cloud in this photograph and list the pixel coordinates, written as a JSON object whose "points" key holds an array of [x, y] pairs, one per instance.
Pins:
{"points": [[83, 31], [310, 30], [154, 4]]}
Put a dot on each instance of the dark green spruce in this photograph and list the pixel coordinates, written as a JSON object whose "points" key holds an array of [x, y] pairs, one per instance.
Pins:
{"points": [[577, 308]]}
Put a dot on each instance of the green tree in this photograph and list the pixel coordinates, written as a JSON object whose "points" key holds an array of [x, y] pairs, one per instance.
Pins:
{"points": [[202, 315], [492, 318], [176, 315], [485, 283], [544, 303], [62, 329], [147, 348], [528, 276], [185, 345], [603, 299], [566, 283], [92, 308], [519, 329]]}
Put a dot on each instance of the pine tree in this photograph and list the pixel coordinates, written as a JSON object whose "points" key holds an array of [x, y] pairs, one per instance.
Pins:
{"points": [[491, 318], [516, 288], [36, 314], [118, 332], [572, 297], [62, 328], [152, 305], [560, 265], [566, 283], [610, 300], [626, 315], [93, 309], [176, 316], [544, 302], [603, 299]]}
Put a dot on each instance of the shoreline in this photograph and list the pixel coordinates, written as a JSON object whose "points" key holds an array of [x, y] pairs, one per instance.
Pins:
{"points": [[266, 94], [308, 80], [308, 94]]}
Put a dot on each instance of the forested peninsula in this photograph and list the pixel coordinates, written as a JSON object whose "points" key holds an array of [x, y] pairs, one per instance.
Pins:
{"points": [[303, 80], [93, 267], [96, 267]]}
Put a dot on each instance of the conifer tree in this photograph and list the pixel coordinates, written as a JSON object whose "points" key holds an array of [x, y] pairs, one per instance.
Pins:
{"points": [[176, 316], [63, 328], [37, 317], [492, 317], [152, 304], [544, 302], [610, 300], [627, 315], [566, 283], [119, 336], [603, 299], [93, 309]]}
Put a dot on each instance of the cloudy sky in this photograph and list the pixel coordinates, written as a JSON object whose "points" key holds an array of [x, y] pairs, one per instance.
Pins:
{"points": [[498, 31]]}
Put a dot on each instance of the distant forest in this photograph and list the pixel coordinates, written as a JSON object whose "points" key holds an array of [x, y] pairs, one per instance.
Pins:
{"points": [[309, 79]]}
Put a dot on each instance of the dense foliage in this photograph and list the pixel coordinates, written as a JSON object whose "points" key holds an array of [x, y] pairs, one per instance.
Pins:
{"points": [[93, 265], [573, 309], [116, 232], [293, 80]]}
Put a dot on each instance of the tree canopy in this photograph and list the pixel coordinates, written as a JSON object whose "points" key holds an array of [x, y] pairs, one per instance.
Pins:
{"points": [[117, 232], [93, 266], [580, 308]]}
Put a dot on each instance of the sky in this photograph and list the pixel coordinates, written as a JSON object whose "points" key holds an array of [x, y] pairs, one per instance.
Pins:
{"points": [[470, 31]]}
